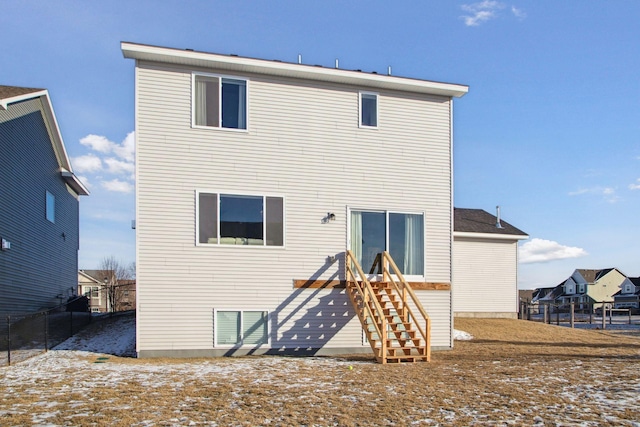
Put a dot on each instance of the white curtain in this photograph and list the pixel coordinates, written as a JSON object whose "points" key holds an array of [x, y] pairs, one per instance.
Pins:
{"points": [[201, 102], [242, 106], [413, 245], [356, 235]]}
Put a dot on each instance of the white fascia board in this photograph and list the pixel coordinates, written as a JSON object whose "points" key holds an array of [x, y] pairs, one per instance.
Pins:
{"points": [[4, 103], [74, 182], [490, 236], [236, 64]]}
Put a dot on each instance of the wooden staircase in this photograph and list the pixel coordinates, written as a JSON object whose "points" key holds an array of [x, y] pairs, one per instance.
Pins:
{"points": [[393, 319]]}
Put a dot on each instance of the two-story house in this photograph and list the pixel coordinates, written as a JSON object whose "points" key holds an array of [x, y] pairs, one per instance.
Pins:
{"points": [[629, 294], [590, 288], [38, 205], [253, 180]]}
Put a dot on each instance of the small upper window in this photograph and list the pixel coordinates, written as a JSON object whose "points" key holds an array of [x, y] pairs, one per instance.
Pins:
{"points": [[368, 109], [220, 102], [50, 209]]}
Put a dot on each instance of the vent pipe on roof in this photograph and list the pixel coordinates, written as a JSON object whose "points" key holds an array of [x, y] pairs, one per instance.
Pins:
{"points": [[498, 225], [299, 59], [337, 66], [389, 71]]}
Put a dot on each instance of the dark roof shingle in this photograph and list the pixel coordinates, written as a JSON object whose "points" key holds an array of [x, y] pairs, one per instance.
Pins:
{"points": [[480, 221], [11, 91]]}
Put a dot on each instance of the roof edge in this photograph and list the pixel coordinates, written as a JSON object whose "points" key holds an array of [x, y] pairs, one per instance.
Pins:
{"points": [[4, 103], [496, 236], [303, 71]]}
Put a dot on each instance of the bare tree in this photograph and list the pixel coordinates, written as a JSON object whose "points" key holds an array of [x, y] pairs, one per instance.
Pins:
{"points": [[112, 273]]}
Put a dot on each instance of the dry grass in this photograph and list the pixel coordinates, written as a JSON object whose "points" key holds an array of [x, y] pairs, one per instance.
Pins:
{"points": [[513, 373]]}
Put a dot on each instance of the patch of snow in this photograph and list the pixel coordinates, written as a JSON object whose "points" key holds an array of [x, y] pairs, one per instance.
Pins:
{"points": [[462, 335]]}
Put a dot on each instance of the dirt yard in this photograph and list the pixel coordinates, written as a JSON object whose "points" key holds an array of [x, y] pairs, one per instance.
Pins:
{"points": [[512, 373]]}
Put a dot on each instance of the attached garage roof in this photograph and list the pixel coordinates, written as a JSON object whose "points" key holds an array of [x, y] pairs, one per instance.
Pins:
{"points": [[482, 222]]}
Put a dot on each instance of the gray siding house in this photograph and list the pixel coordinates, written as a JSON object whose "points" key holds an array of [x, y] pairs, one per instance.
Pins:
{"points": [[38, 205], [254, 177]]}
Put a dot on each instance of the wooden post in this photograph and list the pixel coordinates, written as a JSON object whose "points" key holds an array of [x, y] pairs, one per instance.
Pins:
{"points": [[572, 315], [611, 315], [604, 316], [629, 311], [545, 309], [590, 313], [558, 315], [46, 331], [9, 340]]}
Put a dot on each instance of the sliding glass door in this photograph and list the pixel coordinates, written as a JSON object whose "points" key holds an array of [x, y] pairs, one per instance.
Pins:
{"points": [[401, 234]]}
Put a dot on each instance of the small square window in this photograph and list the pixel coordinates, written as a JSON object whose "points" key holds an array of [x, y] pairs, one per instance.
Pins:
{"points": [[50, 210], [220, 102], [368, 109]]}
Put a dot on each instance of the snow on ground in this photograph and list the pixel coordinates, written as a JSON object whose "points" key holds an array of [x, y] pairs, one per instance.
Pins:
{"points": [[83, 382], [462, 335], [117, 337]]}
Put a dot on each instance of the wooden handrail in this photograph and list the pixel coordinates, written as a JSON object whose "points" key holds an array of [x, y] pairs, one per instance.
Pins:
{"points": [[367, 294], [406, 290]]}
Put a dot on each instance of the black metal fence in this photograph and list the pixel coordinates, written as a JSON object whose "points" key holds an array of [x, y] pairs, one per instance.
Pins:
{"points": [[600, 314], [24, 335]]}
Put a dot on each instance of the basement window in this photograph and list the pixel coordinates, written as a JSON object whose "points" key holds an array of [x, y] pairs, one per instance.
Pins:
{"points": [[241, 327]]}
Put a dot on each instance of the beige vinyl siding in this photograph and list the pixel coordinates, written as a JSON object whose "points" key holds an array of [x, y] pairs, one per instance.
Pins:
{"points": [[485, 277], [302, 143]]}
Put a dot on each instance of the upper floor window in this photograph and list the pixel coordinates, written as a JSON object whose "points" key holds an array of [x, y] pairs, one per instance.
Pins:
{"points": [[231, 219], [50, 209], [368, 109], [219, 102]]}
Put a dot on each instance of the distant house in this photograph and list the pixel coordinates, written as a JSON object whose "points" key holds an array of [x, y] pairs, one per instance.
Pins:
{"points": [[588, 288], [485, 265], [93, 284], [629, 294], [38, 205]]}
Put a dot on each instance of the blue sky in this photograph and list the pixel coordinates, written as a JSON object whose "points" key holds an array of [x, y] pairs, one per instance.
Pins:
{"points": [[550, 129]]}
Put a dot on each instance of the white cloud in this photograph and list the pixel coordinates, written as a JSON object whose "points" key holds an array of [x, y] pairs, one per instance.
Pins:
{"points": [[608, 193], [117, 186], [118, 167], [541, 250], [480, 12], [635, 186], [518, 13], [87, 163], [125, 150], [97, 143]]}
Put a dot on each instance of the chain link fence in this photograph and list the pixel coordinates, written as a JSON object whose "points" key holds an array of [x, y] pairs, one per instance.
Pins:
{"points": [[23, 335]]}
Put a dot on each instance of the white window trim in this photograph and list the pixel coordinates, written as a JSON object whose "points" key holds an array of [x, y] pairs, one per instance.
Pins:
{"points": [[408, 277], [220, 77], [377, 95], [241, 345], [264, 219]]}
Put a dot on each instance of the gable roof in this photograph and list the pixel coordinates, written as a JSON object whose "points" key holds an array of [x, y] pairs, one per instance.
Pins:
{"points": [[239, 64], [479, 221], [12, 94]]}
